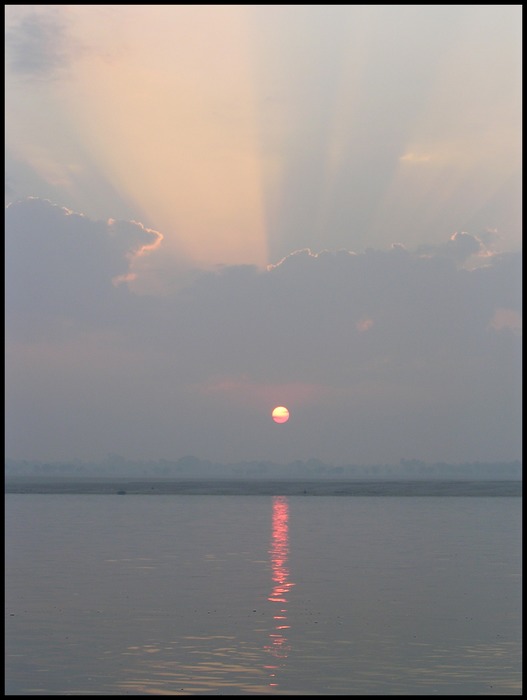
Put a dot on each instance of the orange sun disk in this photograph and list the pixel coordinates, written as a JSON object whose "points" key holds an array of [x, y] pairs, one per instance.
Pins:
{"points": [[280, 414]]}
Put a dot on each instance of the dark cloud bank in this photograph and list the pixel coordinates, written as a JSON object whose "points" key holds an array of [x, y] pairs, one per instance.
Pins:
{"points": [[383, 355]]}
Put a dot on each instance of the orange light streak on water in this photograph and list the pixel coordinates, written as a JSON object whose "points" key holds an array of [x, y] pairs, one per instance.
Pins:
{"points": [[279, 646]]}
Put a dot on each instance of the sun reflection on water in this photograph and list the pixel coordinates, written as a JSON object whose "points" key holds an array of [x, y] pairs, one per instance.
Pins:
{"points": [[278, 645]]}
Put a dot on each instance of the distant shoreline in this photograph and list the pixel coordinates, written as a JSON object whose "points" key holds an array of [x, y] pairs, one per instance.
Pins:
{"points": [[261, 487]]}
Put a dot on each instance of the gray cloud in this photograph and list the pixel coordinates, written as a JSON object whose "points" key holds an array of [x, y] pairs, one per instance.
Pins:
{"points": [[38, 46], [379, 355], [336, 317], [459, 248], [62, 265]]}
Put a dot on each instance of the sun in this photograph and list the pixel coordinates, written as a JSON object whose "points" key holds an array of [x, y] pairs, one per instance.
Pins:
{"points": [[280, 414]]}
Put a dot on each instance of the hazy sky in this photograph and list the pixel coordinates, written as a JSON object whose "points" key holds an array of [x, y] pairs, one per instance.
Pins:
{"points": [[217, 209]]}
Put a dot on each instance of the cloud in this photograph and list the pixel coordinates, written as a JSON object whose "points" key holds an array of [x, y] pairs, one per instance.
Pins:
{"points": [[38, 46], [460, 247], [364, 325], [305, 319], [378, 355], [61, 264], [507, 319]]}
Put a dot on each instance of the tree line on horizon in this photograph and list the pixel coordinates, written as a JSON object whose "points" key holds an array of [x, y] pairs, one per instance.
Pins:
{"points": [[193, 467]]}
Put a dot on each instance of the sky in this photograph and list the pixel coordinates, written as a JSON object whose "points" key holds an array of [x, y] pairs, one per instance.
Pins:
{"points": [[214, 210]]}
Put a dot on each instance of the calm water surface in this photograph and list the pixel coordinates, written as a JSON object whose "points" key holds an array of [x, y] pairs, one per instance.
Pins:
{"points": [[247, 595]]}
